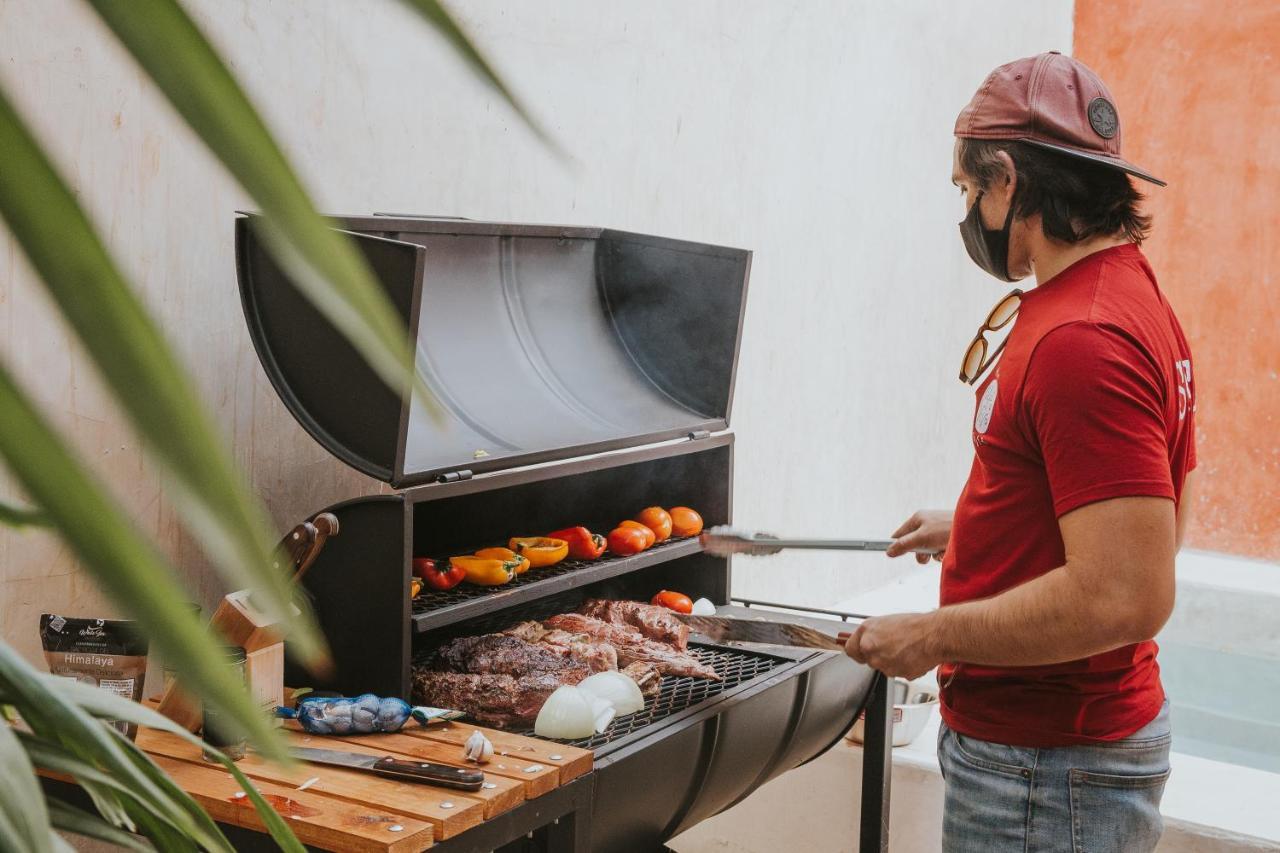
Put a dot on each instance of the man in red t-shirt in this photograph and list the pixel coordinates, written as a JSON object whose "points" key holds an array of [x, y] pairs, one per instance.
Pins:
{"points": [[1058, 564]]}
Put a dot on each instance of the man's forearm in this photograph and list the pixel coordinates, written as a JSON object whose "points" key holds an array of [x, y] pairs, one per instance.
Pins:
{"points": [[1051, 619]]}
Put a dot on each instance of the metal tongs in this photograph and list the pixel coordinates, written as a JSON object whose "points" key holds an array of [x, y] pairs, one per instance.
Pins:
{"points": [[723, 541]]}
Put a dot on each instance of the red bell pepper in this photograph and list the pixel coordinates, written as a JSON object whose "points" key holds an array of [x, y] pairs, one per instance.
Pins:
{"points": [[583, 544], [438, 574]]}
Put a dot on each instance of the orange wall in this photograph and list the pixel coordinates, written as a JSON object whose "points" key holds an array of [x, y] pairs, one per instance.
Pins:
{"points": [[1197, 85]]}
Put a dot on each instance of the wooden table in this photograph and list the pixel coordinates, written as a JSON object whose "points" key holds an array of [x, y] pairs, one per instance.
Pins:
{"points": [[333, 808]]}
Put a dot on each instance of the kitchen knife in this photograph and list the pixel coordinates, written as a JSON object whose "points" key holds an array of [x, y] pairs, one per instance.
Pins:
{"points": [[405, 770], [723, 541], [728, 629]]}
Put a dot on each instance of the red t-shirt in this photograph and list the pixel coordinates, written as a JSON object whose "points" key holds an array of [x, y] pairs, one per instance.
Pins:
{"points": [[1092, 399]]}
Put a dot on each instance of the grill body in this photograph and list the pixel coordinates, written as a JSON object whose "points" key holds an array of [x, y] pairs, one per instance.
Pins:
{"points": [[635, 390]]}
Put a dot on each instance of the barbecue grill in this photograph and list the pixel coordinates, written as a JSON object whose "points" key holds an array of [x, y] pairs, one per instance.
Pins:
{"points": [[578, 375]]}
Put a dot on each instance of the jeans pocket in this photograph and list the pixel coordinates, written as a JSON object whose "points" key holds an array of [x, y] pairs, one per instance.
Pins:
{"points": [[1116, 813], [996, 757]]}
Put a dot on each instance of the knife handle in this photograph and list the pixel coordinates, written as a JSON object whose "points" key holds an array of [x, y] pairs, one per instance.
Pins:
{"points": [[428, 773]]}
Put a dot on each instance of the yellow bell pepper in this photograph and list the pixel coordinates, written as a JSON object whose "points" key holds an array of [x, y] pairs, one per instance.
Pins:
{"points": [[540, 550], [486, 572], [505, 554]]}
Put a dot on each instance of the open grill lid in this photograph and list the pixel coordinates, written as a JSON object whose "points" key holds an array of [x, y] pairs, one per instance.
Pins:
{"points": [[538, 343]]}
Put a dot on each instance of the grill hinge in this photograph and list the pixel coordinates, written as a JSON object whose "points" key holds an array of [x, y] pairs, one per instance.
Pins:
{"points": [[699, 434], [454, 476]]}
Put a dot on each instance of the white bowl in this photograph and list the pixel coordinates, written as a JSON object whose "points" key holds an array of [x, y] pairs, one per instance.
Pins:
{"points": [[909, 718]]}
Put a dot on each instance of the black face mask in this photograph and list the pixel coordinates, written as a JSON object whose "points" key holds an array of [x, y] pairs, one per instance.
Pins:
{"points": [[988, 248]]}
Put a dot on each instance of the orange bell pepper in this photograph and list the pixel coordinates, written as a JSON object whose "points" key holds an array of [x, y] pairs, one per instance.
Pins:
{"points": [[505, 554], [540, 550], [486, 572]]}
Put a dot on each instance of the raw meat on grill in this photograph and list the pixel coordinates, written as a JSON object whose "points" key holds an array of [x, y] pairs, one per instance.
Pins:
{"points": [[598, 657], [530, 632], [633, 646], [501, 654], [496, 678], [646, 677], [504, 679], [505, 701], [656, 623]]}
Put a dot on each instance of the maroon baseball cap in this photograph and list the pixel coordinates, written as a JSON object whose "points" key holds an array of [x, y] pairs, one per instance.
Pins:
{"points": [[1052, 101]]}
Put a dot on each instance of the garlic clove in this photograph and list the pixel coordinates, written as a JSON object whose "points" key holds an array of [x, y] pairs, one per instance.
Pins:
{"points": [[478, 748]]}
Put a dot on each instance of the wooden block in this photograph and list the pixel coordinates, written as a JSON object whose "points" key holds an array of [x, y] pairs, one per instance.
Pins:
{"points": [[317, 819], [572, 761], [405, 798], [505, 794], [264, 670], [181, 708], [239, 623], [538, 777], [242, 624]]}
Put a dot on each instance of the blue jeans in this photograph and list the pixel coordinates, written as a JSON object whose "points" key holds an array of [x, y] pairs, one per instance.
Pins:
{"points": [[1074, 799]]}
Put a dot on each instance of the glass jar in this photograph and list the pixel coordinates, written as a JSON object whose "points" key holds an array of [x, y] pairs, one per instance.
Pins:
{"points": [[215, 730]]}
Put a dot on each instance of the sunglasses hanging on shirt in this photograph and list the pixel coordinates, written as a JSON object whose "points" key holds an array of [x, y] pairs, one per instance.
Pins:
{"points": [[979, 356]]}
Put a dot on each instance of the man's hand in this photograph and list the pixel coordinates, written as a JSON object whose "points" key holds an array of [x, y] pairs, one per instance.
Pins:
{"points": [[899, 645], [927, 530]]}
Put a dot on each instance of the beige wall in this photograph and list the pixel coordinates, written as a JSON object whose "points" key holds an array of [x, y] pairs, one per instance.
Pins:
{"points": [[817, 134]]}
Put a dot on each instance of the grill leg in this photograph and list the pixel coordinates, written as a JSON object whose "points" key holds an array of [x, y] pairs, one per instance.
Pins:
{"points": [[877, 768]]}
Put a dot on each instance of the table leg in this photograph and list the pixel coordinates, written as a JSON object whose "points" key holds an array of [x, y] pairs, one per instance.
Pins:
{"points": [[877, 768]]}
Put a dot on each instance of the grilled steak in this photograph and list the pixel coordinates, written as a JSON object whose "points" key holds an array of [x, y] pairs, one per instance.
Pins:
{"points": [[530, 632], [598, 657], [656, 623], [500, 654], [633, 646], [646, 677], [504, 701]]}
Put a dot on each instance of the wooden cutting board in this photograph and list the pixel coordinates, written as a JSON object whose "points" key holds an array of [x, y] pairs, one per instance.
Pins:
{"points": [[340, 809]]}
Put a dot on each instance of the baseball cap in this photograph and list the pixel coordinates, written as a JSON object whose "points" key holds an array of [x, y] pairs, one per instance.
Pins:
{"points": [[1051, 101]]}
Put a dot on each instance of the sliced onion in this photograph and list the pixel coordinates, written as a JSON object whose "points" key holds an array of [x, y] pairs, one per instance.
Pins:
{"points": [[567, 714], [603, 710], [703, 607], [616, 689]]}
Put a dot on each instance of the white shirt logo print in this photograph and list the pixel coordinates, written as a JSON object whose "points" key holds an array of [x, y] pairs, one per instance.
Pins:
{"points": [[986, 407], [1185, 400]]}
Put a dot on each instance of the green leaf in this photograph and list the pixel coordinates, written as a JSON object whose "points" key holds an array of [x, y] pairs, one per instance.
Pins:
{"points": [[110, 803], [275, 824], [116, 802], [108, 706], [54, 718], [15, 516], [68, 818], [48, 755], [322, 262], [142, 372], [25, 822], [193, 810], [439, 18], [125, 564], [161, 833]]}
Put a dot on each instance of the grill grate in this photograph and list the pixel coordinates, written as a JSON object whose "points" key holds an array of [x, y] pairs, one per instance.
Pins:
{"points": [[436, 599], [678, 693]]}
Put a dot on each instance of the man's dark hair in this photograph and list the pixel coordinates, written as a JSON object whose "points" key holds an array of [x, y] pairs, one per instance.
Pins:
{"points": [[1076, 199]]}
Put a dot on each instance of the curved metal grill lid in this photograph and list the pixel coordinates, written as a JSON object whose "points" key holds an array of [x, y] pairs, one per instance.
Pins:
{"points": [[538, 343]]}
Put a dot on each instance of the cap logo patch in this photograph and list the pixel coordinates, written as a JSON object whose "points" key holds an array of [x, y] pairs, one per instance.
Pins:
{"points": [[1102, 117]]}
